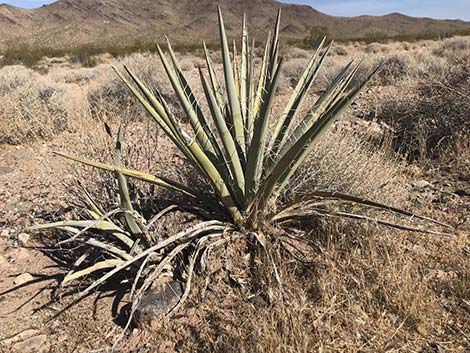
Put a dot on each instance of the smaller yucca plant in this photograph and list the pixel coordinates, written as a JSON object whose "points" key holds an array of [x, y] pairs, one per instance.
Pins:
{"points": [[246, 166]]}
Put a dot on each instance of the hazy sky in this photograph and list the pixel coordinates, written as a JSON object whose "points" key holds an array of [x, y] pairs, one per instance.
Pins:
{"points": [[27, 3], [420, 8]]}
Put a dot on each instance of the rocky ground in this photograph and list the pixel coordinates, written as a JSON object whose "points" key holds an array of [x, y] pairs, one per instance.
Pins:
{"points": [[33, 185]]}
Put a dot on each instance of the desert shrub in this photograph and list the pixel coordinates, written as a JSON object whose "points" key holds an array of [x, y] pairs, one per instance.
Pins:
{"points": [[397, 68], [238, 170], [431, 114], [340, 50], [297, 53], [33, 107], [453, 47], [292, 70], [109, 95], [375, 48], [79, 76], [315, 36], [348, 161]]}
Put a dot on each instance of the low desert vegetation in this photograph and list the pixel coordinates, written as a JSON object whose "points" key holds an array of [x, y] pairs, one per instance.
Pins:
{"points": [[33, 107], [241, 175]]}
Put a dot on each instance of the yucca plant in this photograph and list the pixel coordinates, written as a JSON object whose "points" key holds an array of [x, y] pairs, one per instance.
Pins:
{"points": [[246, 166]]}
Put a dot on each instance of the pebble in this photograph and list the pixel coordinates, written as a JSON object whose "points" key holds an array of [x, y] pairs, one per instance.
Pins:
{"points": [[22, 279], [421, 184], [157, 302], [23, 239]]}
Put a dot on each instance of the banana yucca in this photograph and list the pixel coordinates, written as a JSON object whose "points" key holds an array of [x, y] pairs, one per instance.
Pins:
{"points": [[246, 166]]}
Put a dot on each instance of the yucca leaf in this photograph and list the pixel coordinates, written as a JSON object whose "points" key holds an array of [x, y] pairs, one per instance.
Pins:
{"points": [[261, 82], [102, 265], [256, 150], [111, 249], [250, 97], [214, 80], [163, 182], [358, 217], [218, 183], [160, 120], [98, 225], [234, 105], [126, 203], [327, 100], [274, 54], [193, 100], [193, 118], [297, 97], [244, 72], [360, 201], [231, 153], [159, 106], [235, 66], [93, 208], [292, 159]]}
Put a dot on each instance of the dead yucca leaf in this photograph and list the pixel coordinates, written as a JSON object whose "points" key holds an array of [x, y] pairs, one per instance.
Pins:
{"points": [[246, 167]]}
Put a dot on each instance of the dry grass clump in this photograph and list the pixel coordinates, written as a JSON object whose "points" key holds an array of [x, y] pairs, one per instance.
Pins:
{"points": [[107, 94], [430, 114], [297, 53], [375, 48], [453, 46], [347, 162], [33, 107], [340, 50], [293, 69], [359, 289]]}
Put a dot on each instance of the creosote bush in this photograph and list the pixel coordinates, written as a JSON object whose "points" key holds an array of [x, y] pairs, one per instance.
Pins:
{"points": [[33, 107], [244, 167]]}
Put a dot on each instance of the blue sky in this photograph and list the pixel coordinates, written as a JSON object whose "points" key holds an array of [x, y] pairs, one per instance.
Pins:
{"points": [[451, 9], [27, 3], [420, 8]]}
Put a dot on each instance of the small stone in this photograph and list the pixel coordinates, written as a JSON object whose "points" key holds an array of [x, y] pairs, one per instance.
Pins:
{"points": [[31, 345], [5, 233], [23, 239], [22, 279], [158, 301], [421, 184]]}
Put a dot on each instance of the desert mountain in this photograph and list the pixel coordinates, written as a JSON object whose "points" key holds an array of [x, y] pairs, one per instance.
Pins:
{"points": [[68, 23]]}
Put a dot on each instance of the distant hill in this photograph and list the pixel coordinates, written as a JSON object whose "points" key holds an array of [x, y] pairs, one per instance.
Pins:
{"points": [[68, 23]]}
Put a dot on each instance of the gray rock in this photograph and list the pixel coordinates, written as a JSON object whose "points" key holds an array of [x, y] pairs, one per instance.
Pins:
{"points": [[158, 301]]}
